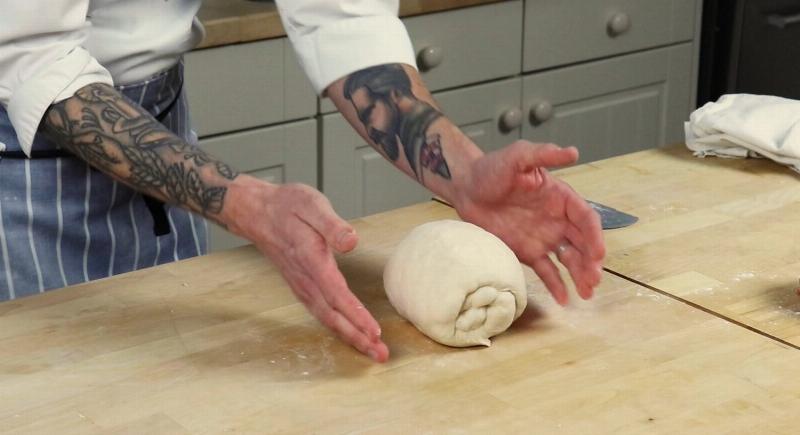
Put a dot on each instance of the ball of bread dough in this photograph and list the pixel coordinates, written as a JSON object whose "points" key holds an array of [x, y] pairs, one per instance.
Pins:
{"points": [[456, 282]]}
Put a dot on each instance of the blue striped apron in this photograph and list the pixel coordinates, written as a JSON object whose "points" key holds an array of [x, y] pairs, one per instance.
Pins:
{"points": [[64, 223]]}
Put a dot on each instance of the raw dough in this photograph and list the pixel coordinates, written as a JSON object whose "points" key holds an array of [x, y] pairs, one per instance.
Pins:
{"points": [[457, 283]]}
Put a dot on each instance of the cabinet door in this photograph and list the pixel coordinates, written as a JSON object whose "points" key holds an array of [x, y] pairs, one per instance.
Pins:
{"points": [[280, 154], [359, 181], [560, 32], [613, 106], [246, 85]]}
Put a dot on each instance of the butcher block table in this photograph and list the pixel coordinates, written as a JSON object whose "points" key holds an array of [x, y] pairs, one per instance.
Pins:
{"points": [[723, 234], [218, 344]]}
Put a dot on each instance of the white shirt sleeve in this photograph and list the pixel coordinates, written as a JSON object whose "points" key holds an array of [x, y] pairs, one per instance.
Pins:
{"points": [[42, 61], [335, 38]]}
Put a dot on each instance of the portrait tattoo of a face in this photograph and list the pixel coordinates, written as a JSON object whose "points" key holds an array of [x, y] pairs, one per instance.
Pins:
{"points": [[394, 117]]}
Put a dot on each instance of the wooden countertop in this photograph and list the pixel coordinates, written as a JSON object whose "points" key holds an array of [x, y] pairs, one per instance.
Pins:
{"points": [[218, 344], [234, 21], [719, 233]]}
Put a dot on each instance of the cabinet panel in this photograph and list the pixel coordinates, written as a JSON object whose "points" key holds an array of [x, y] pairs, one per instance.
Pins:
{"points": [[280, 154], [559, 32], [383, 187], [471, 45], [246, 85], [300, 100], [613, 106], [359, 181]]}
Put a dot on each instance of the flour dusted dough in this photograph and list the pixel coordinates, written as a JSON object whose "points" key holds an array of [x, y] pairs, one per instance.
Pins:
{"points": [[457, 283]]}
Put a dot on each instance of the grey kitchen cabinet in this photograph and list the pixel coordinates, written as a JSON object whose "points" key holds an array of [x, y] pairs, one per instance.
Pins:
{"points": [[246, 85], [560, 32], [279, 154], [359, 181], [464, 46], [612, 106]]}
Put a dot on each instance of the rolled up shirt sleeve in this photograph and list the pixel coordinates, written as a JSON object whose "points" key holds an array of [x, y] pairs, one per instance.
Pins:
{"points": [[333, 39], [42, 61]]}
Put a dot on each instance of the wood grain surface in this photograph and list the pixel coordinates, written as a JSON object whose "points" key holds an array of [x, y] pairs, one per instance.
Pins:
{"points": [[720, 233], [218, 344], [235, 21]]}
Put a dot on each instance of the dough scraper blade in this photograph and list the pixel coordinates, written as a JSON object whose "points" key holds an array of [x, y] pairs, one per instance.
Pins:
{"points": [[612, 218]]}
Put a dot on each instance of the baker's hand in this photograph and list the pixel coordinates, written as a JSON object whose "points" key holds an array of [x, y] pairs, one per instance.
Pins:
{"points": [[510, 194], [296, 227]]}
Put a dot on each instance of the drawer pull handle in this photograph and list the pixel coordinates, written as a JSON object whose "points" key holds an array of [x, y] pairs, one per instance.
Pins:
{"points": [[618, 24], [541, 111], [511, 119], [430, 57]]}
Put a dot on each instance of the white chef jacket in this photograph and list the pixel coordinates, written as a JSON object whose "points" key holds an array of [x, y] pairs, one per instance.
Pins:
{"points": [[51, 48]]}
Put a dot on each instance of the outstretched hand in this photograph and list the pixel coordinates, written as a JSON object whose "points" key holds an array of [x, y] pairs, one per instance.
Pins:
{"points": [[299, 231], [511, 194]]}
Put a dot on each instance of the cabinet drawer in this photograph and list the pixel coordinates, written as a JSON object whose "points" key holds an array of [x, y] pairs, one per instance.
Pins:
{"points": [[475, 44], [559, 32], [465, 46], [280, 154], [246, 85], [359, 181], [489, 114], [613, 106]]}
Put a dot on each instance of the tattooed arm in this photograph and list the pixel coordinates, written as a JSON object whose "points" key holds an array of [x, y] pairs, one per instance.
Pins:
{"points": [[391, 108], [508, 192], [120, 138], [294, 225]]}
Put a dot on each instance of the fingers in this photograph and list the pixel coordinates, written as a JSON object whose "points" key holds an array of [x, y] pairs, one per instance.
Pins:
{"points": [[320, 266], [572, 259], [581, 253], [549, 275], [339, 297], [308, 265], [345, 327], [318, 213], [587, 221], [347, 332], [322, 269], [583, 258], [525, 156]]}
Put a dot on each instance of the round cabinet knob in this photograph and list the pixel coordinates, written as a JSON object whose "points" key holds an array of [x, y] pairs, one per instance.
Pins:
{"points": [[618, 24], [430, 57], [541, 111], [511, 119]]}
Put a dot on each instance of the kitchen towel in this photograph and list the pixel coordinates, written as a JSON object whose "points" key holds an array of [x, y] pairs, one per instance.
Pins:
{"points": [[747, 125]]}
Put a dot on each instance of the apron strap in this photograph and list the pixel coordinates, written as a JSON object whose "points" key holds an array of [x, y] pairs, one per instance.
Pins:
{"points": [[160, 220]]}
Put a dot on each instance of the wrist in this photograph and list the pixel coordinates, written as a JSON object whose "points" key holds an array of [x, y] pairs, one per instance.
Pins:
{"points": [[245, 202], [463, 164]]}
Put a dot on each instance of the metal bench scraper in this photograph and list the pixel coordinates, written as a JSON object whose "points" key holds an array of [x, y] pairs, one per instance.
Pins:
{"points": [[612, 218]]}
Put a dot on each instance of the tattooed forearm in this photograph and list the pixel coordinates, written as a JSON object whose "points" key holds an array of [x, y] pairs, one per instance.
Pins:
{"points": [[115, 135], [393, 116]]}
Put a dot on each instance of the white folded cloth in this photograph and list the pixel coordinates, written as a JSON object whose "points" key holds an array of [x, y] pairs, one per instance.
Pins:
{"points": [[746, 125]]}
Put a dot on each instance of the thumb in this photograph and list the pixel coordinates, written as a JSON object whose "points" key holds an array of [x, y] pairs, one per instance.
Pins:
{"points": [[337, 232]]}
